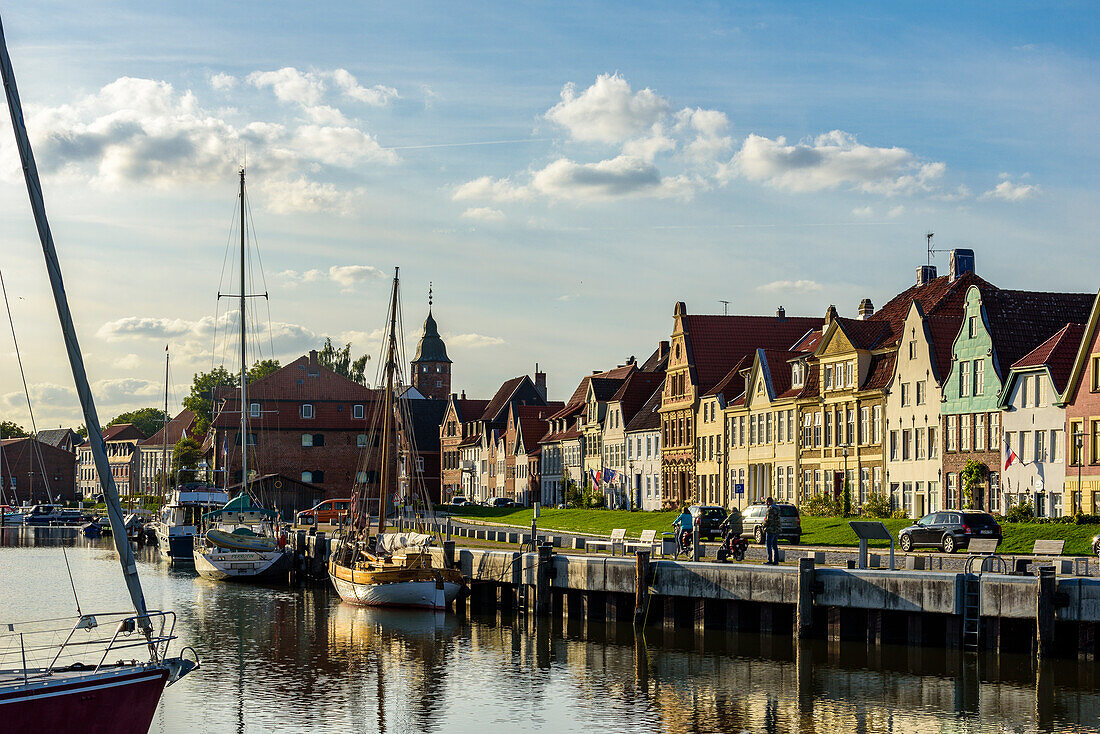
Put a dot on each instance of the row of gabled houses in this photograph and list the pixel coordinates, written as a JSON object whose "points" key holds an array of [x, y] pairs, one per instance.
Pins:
{"points": [[951, 372]]}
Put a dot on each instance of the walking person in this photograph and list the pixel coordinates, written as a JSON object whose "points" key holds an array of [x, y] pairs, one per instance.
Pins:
{"points": [[683, 523], [771, 532]]}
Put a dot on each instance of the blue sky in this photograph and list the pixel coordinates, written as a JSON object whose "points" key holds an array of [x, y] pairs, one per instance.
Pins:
{"points": [[563, 173]]}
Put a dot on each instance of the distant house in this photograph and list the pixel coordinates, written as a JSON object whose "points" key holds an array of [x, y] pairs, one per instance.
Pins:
{"points": [[123, 456], [60, 438], [154, 450], [33, 471]]}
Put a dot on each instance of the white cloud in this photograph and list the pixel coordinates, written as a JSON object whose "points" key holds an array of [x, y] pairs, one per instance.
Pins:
{"points": [[129, 362], [501, 189], [223, 81], [339, 146], [290, 85], [483, 214], [345, 276], [863, 211], [616, 177], [1006, 190], [790, 286], [376, 96], [608, 111], [302, 195], [131, 327], [473, 341], [125, 389], [42, 394], [832, 160], [709, 128]]}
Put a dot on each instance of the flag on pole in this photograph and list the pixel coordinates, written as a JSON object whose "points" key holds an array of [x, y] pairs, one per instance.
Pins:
{"points": [[610, 475], [1012, 457]]}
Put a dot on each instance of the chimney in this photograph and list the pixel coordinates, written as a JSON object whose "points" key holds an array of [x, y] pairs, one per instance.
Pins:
{"points": [[463, 394], [866, 308], [961, 263], [925, 274], [830, 314], [540, 381], [454, 396], [314, 367], [662, 349], [781, 314]]}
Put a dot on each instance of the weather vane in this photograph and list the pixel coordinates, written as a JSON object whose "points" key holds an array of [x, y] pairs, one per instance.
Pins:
{"points": [[429, 294]]}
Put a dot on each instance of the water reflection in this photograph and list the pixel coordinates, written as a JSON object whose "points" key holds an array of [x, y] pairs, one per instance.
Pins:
{"points": [[300, 660]]}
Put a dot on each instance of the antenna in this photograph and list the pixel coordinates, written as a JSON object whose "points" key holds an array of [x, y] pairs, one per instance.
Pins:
{"points": [[725, 307], [928, 245]]}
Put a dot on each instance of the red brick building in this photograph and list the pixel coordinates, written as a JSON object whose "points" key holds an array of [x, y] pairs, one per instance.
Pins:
{"points": [[1082, 403], [431, 367], [121, 441], [304, 421], [459, 425], [22, 473]]}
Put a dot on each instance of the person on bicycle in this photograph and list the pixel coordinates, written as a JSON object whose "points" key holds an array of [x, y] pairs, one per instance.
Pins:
{"points": [[683, 523], [734, 523]]}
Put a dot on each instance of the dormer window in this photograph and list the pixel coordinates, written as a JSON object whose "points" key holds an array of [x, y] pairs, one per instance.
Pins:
{"points": [[306, 410], [796, 374], [357, 411]]}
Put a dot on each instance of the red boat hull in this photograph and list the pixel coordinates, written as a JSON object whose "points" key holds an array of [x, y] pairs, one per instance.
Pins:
{"points": [[116, 703]]}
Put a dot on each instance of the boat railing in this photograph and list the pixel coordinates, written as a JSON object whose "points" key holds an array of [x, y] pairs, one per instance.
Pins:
{"points": [[41, 648]]}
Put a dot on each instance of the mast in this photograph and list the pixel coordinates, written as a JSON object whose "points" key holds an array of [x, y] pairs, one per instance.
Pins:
{"points": [[72, 347], [164, 432], [244, 373], [387, 408]]}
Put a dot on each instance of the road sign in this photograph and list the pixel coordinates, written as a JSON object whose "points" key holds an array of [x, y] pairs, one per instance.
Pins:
{"points": [[739, 488]]}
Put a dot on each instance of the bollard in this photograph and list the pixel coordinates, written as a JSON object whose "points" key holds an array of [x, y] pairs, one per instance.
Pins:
{"points": [[448, 553], [448, 528], [695, 545], [804, 611], [641, 587]]}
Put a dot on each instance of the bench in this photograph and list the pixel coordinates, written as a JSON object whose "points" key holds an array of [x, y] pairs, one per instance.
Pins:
{"points": [[616, 539], [646, 541], [1048, 548], [985, 549], [983, 546]]}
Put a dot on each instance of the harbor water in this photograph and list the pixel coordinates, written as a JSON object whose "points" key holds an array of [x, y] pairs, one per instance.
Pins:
{"points": [[300, 660]]}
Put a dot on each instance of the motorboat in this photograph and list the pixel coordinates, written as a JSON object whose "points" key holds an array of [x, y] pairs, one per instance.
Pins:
{"points": [[180, 520], [241, 543], [54, 515]]}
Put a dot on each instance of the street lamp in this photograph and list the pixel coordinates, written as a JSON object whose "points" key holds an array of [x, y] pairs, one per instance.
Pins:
{"points": [[847, 495], [719, 455]]}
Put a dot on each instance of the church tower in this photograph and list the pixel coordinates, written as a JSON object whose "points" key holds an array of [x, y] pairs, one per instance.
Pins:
{"points": [[431, 368]]}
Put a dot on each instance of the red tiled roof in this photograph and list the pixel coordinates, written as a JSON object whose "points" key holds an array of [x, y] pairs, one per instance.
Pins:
{"points": [[635, 391], [178, 427], [503, 396], [1057, 353], [569, 410], [1019, 321], [647, 418], [122, 432], [473, 440], [779, 369], [533, 428], [880, 371], [810, 385], [581, 393], [302, 380], [865, 334], [717, 342], [809, 342], [469, 410], [940, 296]]}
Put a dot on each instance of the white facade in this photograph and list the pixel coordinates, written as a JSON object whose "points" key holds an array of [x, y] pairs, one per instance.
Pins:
{"points": [[913, 462], [470, 458], [1034, 427], [643, 454], [614, 457]]}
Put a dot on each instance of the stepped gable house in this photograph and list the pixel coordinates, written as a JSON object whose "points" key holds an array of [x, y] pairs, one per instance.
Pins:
{"points": [[305, 422], [121, 441], [458, 434], [418, 447], [22, 477], [490, 427], [703, 350]]}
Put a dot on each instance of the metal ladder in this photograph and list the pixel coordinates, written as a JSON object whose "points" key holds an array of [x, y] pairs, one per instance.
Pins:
{"points": [[972, 595]]}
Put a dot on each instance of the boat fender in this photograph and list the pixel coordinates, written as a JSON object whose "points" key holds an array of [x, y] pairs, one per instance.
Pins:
{"points": [[282, 539], [277, 484]]}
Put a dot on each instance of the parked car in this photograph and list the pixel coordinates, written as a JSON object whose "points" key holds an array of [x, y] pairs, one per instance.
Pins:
{"points": [[707, 520], [458, 501], [949, 530], [790, 522], [324, 512], [501, 502]]}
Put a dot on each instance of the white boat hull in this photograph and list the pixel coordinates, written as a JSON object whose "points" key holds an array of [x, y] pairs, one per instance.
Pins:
{"points": [[241, 565], [423, 594]]}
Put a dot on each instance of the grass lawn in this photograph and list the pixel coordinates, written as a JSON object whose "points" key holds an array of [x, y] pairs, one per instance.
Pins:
{"points": [[823, 531]]}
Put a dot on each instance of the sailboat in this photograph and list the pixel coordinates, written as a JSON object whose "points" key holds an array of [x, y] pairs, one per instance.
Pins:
{"points": [[388, 569], [92, 680], [243, 543]]}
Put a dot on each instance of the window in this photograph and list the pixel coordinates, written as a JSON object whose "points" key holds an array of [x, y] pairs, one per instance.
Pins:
{"points": [[922, 391], [254, 410], [1096, 373], [913, 349], [306, 411], [1040, 446], [964, 379], [741, 430], [906, 441], [1075, 432], [361, 440], [979, 432], [876, 425], [965, 432], [850, 438], [1038, 391], [357, 411], [420, 464], [849, 370], [307, 476], [251, 439], [918, 444], [807, 430], [971, 326], [828, 377], [779, 426], [1095, 442], [893, 445], [878, 479], [1056, 451], [865, 425], [864, 484], [905, 397], [796, 375], [790, 425], [752, 431], [828, 428], [768, 427], [361, 477], [994, 430], [307, 439], [949, 498], [933, 443], [979, 377], [817, 429]]}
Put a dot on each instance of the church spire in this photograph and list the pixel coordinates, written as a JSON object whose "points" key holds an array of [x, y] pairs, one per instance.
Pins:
{"points": [[431, 367]]}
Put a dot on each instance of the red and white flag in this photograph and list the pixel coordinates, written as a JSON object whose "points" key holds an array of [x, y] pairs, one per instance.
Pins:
{"points": [[1011, 458]]}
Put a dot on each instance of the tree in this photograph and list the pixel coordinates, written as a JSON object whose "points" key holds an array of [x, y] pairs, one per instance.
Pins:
{"points": [[9, 429], [81, 430], [340, 361], [972, 477], [201, 399], [186, 455], [262, 368], [146, 420]]}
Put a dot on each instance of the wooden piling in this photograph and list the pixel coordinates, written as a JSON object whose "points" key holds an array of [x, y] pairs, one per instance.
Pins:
{"points": [[448, 550], [641, 587], [804, 608], [542, 580], [1044, 613]]}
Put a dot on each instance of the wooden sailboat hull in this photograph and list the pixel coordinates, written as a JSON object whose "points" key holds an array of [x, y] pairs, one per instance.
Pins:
{"points": [[424, 588]]}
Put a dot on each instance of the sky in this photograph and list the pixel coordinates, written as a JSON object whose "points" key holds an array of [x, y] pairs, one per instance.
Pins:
{"points": [[561, 173]]}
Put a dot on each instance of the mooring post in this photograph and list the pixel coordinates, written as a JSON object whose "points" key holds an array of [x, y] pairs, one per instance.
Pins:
{"points": [[542, 580], [317, 562], [804, 611], [448, 528], [695, 545], [641, 587], [1044, 613], [448, 552]]}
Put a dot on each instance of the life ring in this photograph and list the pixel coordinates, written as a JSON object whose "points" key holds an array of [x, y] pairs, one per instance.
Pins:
{"points": [[277, 484]]}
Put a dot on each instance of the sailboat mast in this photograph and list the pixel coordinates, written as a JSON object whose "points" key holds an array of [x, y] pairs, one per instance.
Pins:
{"points": [[164, 432], [72, 347], [387, 408], [244, 374]]}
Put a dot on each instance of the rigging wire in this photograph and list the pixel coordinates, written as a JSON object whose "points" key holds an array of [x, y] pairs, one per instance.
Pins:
{"points": [[35, 446], [71, 582]]}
